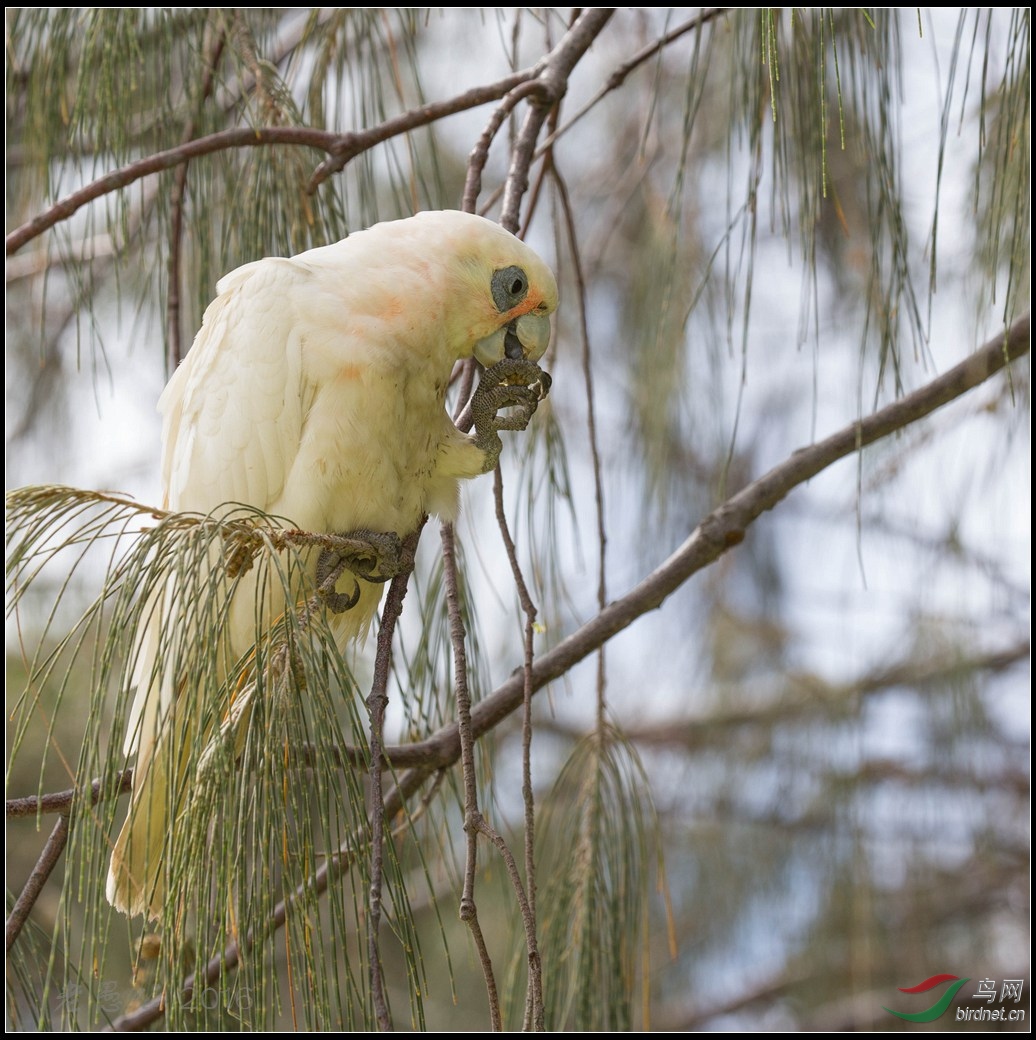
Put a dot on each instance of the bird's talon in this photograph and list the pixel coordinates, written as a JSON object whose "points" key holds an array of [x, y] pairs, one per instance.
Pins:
{"points": [[339, 602], [511, 383], [377, 557]]}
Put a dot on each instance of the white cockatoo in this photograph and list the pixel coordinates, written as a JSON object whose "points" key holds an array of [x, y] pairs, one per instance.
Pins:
{"points": [[315, 391]]}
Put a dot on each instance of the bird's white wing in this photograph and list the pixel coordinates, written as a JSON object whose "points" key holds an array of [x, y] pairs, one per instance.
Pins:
{"points": [[233, 415], [233, 411]]}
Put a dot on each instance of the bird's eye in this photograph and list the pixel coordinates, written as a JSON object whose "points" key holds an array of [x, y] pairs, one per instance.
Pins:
{"points": [[509, 287]]}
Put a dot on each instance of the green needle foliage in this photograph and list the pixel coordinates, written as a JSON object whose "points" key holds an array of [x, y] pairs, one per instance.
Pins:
{"points": [[264, 797], [597, 834]]}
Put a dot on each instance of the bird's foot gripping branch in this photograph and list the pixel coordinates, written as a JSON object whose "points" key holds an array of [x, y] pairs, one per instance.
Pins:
{"points": [[375, 556], [513, 383]]}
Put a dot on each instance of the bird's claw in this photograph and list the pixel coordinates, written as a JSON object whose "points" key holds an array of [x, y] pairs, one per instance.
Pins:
{"points": [[374, 556], [511, 383]]}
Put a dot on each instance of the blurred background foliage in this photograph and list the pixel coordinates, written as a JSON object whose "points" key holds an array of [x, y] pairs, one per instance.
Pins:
{"points": [[804, 782]]}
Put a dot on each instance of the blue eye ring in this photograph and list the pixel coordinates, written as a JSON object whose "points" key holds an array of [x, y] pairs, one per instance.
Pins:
{"points": [[510, 286]]}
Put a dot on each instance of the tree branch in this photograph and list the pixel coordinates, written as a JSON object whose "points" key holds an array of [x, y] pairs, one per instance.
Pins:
{"points": [[341, 147], [37, 879], [62, 801], [241, 137], [720, 531], [618, 76], [802, 697], [480, 153], [717, 533], [362, 140], [553, 81]]}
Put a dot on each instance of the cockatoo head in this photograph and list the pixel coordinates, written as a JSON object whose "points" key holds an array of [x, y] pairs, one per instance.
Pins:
{"points": [[503, 292]]}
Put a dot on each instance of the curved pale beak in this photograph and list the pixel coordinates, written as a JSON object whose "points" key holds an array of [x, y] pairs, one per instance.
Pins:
{"points": [[525, 337]]}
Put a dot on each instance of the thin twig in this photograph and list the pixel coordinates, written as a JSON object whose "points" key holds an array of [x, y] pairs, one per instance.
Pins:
{"points": [[37, 879], [589, 836], [174, 345], [222, 140], [61, 801], [553, 116], [591, 428], [528, 903], [468, 907], [480, 153], [807, 696], [472, 815], [376, 704], [536, 1000], [416, 117]]}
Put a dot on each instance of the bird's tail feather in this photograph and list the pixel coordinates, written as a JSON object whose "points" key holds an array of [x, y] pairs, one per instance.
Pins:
{"points": [[181, 754], [136, 878]]}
